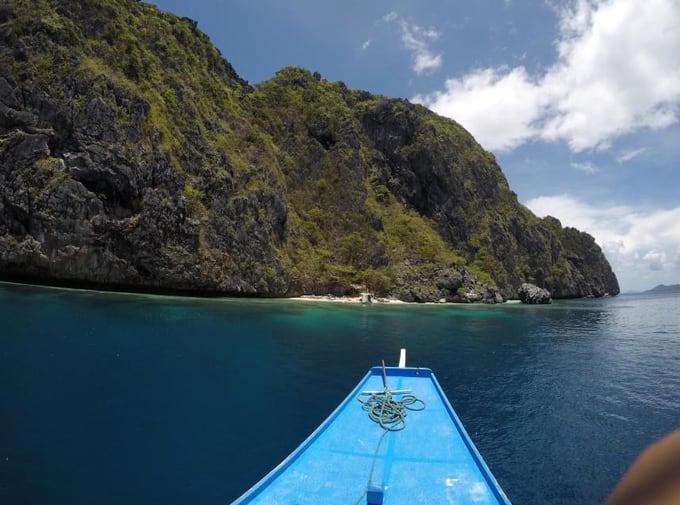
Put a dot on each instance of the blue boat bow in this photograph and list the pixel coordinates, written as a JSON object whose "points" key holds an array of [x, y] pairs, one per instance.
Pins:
{"points": [[351, 459]]}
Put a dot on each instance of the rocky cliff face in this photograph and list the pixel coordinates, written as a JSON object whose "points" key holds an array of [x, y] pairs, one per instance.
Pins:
{"points": [[132, 156]]}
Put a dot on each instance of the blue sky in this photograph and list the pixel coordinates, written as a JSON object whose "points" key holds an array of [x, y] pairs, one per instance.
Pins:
{"points": [[578, 99]]}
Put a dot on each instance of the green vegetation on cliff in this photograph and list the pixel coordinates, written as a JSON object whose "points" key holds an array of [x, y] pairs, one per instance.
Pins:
{"points": [[134, 156]]}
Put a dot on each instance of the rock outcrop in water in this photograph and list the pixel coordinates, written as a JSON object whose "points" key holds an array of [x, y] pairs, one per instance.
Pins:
{"points": [[132, 156], [531, 294]]}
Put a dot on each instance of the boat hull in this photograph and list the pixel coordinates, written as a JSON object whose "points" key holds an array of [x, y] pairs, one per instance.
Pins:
{"points": [[431, 461]]}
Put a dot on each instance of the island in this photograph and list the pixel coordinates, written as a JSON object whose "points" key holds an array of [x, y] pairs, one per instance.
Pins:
{"points": [[134, 157], [664, 289]]}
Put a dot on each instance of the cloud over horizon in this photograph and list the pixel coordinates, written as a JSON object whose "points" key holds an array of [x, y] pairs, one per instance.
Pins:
{"points": [[616, 71], [642, 245]]}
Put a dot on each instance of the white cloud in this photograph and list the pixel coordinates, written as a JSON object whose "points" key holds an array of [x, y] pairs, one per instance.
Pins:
{"points": [[486, 102], [389, 17], [426, 62], [617, 71], [655, 260], [642, 245], [630, 154], [417, 41], [585, 167]]}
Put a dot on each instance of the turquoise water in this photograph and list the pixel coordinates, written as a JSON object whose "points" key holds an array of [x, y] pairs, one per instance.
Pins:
{"points": [[111, 398]]}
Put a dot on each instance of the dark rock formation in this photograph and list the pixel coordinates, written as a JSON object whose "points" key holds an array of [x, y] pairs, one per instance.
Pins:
{"points": [[97, 191], [132, 156], [528, 293]]}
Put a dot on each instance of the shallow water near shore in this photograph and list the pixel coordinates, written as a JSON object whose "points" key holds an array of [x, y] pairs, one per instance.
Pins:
{"points": [[113, 398]]}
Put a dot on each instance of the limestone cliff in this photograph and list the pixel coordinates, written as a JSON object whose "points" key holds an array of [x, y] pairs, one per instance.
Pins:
{"points": [[132, 156]]}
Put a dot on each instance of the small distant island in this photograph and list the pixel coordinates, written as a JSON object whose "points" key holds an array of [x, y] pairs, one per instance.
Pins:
{"points": [[662, 288]]}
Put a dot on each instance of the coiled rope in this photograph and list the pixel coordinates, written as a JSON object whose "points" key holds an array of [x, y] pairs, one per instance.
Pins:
{"points": [[389, 412]]}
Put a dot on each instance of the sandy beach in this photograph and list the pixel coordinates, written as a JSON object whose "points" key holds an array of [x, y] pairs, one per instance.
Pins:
{"points": [[343, 299], [378, 300]]}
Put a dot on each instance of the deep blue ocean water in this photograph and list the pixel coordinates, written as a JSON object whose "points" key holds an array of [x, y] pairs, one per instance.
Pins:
{"points": [[130, 399]]}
